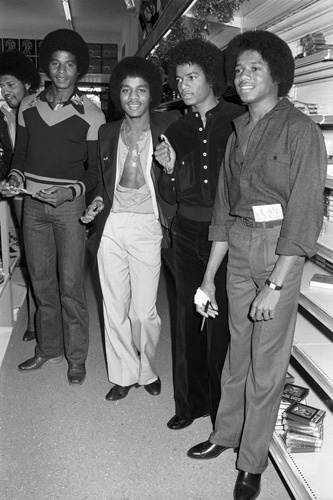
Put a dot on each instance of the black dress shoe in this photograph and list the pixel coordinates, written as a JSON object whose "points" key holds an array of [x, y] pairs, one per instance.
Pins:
{"points": [[206, 450], [37, 362], [29, 335], [177, 423], [247, 486], [76, 373], [119, 392], [154, 389]]}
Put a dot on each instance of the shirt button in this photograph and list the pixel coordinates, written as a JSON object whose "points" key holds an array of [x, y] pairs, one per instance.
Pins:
{"points": [[200, 129], [205, 167], [205, 141], [274, 157], [204, 154], [205, 181]]}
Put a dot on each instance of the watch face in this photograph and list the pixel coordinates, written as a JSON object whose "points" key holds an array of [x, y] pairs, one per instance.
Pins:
{"points": [[273, 286]]}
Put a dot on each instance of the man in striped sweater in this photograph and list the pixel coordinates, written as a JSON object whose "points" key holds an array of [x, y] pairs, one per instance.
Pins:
{"points": [[55, 161]]}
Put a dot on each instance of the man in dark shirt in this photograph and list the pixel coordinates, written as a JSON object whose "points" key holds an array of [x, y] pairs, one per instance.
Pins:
{"points": [[191, 154], [18, 78]]}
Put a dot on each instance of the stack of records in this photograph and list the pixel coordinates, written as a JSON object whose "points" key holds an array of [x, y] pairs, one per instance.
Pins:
{"points": [[303, 426], [279, 427], [291, 393], [328, 204], [313, 43]]}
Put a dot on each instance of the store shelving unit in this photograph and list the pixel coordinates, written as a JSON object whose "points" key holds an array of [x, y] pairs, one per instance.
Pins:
{"points": [[6, 296], [308, 474]]}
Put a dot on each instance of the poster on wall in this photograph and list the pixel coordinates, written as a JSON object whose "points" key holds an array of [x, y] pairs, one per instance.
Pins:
{"points": [[10, 44], [28, 47]]}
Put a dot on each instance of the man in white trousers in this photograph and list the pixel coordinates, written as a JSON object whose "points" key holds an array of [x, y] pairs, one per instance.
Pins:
{"points": [[129, 227]]}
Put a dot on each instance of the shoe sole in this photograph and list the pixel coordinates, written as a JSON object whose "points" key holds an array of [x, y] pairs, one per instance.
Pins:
{"points": [[77, 383], [135, 386], [179, 428], [52, 361], [200, 457]]}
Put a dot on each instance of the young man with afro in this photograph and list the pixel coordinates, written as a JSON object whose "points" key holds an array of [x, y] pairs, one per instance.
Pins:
{"points": [[191, 155], [55, 160], [129, 224], [18, 79], [268, 215]]}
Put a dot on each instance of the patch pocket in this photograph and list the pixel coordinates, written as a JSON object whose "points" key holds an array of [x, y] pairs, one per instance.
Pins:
{"points": [[275, 171], [186, 172]]}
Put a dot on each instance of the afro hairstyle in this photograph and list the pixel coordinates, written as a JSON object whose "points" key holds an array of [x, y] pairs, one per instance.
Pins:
{"points": [[68, 41], [16, 64], [137, 67], [203, 53], [273, 50]]}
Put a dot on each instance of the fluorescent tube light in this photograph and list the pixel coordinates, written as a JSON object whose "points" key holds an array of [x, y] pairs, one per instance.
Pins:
{"points": [[67, 10], [130, 4], [192, 4]]}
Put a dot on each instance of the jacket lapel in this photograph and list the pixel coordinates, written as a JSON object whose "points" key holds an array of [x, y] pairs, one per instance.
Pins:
{"points": [[108, 156]]}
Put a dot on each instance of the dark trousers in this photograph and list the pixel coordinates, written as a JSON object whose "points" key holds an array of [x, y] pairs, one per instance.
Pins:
{"points": [[198, 357], [54, 243]]}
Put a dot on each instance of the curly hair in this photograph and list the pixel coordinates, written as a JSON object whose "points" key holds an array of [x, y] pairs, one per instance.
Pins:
{"points": [[68, 41], [203, 53], [137, 67], [16, 64], [273, 50]]}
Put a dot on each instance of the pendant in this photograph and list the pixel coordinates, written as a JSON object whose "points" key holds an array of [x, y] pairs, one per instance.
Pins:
{"points": [[134, 156]]}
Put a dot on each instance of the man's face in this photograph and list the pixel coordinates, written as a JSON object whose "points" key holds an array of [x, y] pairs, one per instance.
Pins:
{"points": [[63, 70], [13, 90], [135, 97], [192, 85], [253, 80]]}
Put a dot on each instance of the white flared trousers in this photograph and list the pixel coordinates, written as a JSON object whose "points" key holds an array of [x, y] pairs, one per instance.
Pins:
{"points": [[129, 263]]}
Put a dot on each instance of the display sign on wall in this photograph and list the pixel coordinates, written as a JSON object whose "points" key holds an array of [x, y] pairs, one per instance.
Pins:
{"points": [[103, 57]]}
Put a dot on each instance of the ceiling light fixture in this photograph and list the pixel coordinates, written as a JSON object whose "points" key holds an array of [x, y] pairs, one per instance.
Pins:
{"points": [[192, 4], [130, 4], [67, 10], [165, 36]]}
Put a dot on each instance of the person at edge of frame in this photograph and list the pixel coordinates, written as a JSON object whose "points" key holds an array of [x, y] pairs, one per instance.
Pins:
{"points": [[268, 214], [55, 161], [191, 154], [129, 226], [18, 79]]}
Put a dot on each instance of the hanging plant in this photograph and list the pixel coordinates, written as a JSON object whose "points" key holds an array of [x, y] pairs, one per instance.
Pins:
{"points": [[179, 32], [222, 10]]}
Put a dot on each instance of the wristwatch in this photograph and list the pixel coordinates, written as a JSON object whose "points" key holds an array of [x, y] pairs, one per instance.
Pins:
{"points": [[273, 286]]}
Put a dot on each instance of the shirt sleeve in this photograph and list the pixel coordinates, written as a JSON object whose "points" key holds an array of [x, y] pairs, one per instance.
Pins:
{"points": [[3, 164], [303, 217], [167, 182], [222, 221], [21, 144], [89, 179]]}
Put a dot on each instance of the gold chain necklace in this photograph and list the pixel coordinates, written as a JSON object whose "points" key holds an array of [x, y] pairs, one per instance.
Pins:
{"points": [[135, 151]]}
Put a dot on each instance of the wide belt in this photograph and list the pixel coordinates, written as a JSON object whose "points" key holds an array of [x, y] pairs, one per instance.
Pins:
{"points": [[254, 223]]}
